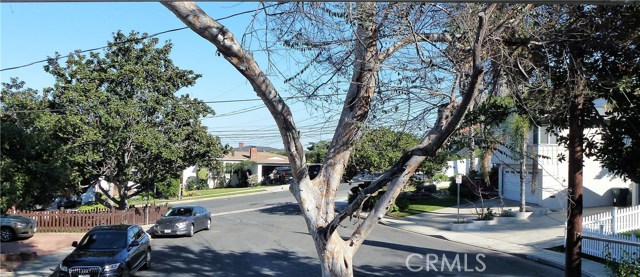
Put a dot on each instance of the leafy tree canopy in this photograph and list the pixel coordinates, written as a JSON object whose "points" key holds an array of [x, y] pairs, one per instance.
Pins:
{"points": [[379, 148], [120, 118], [32, 161]]}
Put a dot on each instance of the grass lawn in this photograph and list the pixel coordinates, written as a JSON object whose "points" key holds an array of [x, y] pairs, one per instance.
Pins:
{"points": [[202, 194], [426, 205]]}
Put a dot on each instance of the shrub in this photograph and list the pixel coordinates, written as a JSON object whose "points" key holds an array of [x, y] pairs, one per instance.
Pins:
{"points": [[466, 189], [629, 264], [253, 180], [402, 202], [91, 207], [440, 177], [420, 187], [196, 184], [431, 188], [168, 188]]}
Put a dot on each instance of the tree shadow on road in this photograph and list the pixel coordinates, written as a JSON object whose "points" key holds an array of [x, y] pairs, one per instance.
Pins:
{"points": [[283, 209], [206, 261]]}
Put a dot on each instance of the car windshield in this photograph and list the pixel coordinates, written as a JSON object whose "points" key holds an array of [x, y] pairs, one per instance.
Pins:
{"points": [[179, 212], [103, 240]]}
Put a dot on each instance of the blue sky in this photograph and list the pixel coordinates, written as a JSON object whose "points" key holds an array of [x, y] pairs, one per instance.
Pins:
{"points": [[31, 32]]}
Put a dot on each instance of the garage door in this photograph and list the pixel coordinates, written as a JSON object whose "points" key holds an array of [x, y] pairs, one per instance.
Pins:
{"points": [[511, 186]]}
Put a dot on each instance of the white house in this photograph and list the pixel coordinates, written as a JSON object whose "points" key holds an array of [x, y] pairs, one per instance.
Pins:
{"points": [[551, 175], [263, 163]]}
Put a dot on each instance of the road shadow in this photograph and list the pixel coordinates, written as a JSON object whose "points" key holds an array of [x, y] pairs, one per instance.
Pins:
{"points": [[283, 209], [175, 260]]}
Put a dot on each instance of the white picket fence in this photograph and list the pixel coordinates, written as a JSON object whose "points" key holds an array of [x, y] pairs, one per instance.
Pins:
{"points": [[607, 228], [616, 221]]}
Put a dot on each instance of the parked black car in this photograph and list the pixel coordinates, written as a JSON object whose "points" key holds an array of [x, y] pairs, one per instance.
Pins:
{"points": [[15, 226], [282, 174], [182, 220], [108, 250]]}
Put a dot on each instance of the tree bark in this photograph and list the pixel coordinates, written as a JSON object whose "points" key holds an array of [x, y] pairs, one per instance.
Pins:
{"points": [[573, 252], [523, 173], [316, 197]]}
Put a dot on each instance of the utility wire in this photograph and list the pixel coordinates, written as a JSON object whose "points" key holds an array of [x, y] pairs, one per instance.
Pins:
{"points": [[137, 39]]}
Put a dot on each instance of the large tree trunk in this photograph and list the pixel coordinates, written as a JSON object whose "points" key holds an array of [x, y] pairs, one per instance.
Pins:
{"points": [[316, 198], [573, 251], [336, 257]]}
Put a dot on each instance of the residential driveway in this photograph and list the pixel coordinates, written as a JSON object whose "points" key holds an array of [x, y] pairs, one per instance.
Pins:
{"points": [[40, 244]]}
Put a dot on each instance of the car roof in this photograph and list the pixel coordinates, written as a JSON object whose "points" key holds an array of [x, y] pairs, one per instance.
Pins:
{"points": [[186, 206], [119, 227]]}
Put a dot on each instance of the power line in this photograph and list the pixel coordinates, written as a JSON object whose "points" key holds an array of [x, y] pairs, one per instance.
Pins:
{"points": [[136, 39]]}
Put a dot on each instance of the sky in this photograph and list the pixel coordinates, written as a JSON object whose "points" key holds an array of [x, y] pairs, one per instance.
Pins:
{"points": [[31, 32]]}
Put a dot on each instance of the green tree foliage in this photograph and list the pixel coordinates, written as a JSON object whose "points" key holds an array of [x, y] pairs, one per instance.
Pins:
{"points": [[32, 161], [120, 118], [317, 151], [203, 174], [168, 188], [379, 148], [595, 48]]}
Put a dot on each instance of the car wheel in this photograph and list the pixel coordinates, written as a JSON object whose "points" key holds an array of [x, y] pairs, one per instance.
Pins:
{"points": [[7, 234], [208, 224], [147, 260], [190, 231]]}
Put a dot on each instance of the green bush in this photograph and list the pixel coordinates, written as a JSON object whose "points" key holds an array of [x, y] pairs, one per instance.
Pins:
{"points": [[431, 188], [402, 202], [196, 184], [169, 188], [91, 207], [629, 265], [466, 191], [440, 177], [253, 180]]}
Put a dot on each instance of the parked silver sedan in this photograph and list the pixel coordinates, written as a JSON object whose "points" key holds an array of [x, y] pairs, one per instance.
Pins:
{"points": [[15, 226], [182, 220]]}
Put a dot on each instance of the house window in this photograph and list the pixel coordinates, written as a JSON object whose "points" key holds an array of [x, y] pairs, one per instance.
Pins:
{"points": [[547, 138], [542, 136]]}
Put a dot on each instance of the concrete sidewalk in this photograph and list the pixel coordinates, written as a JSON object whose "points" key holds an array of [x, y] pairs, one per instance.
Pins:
{"points": [[526, 237]]}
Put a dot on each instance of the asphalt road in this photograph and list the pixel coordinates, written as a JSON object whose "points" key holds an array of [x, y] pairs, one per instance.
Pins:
{"points": [[265, 235]]}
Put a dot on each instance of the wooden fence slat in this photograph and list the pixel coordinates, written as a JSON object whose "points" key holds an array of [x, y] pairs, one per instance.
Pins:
{"points": [[75, 221]]}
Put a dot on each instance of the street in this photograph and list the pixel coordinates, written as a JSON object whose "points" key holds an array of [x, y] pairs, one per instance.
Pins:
{"points": [[251, 237]]}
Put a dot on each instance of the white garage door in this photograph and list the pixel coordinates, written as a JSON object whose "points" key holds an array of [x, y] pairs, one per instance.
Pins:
{"points": [[511, 186]]}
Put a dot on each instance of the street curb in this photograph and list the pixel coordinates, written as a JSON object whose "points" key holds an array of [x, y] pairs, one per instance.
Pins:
{"points": [[556, 264], [530, 256]]}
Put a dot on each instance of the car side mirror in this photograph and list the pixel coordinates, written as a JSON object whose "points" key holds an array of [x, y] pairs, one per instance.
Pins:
{"points": [[134, 243], [74, 244]]}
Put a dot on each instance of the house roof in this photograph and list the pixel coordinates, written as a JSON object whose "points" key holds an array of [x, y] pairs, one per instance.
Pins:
{"points": [[259, 157]]}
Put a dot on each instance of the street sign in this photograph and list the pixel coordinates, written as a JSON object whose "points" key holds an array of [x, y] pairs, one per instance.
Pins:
{"points": [[459, 179]]}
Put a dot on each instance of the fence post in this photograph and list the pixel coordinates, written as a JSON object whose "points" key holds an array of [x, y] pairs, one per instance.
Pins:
{"points": [[614, 220], [602, 229]]}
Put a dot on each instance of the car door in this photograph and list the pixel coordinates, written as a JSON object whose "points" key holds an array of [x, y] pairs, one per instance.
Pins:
{"points": [[135, 251], [200, 215]]}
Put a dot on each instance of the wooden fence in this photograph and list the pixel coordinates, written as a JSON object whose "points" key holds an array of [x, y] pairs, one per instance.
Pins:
{"points": [[60, 221]]}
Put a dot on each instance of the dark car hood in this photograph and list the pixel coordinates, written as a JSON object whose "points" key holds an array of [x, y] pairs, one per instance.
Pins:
{"points": [[172, 219], [81, 257]]}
